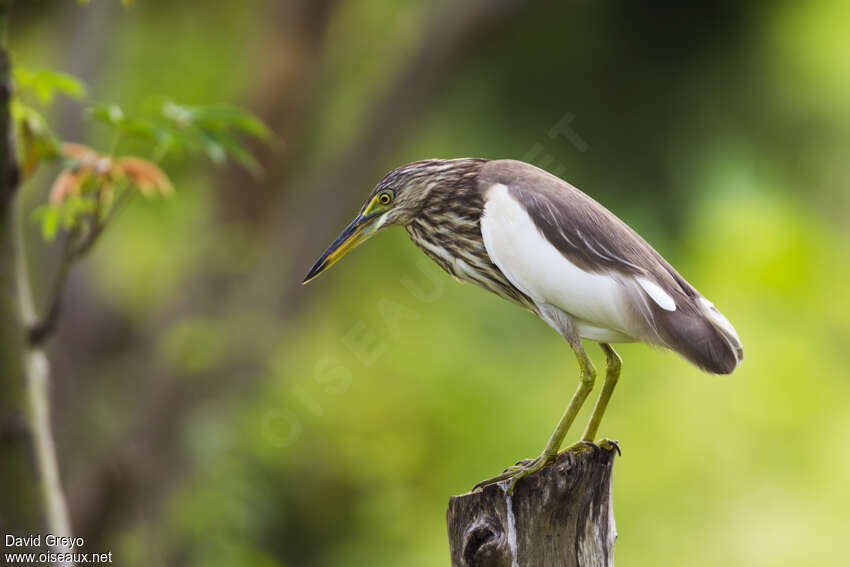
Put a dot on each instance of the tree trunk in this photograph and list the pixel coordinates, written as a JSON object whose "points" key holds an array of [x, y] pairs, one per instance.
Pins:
{"points": [[20, 496], [562, 516]]}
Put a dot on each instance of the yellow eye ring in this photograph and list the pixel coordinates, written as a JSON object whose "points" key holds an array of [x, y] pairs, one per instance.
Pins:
{"points": [[384, 199]]}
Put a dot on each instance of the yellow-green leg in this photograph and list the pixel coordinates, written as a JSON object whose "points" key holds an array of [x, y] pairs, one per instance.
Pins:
{"points": [[588, 376], [612, 375]]}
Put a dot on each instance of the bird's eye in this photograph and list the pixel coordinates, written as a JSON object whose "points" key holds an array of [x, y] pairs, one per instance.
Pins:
{"points": [[385, 198]]}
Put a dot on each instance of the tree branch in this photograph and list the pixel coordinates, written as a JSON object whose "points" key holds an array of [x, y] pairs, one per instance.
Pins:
{"points": [[24, 366], [19, 489], [41, 329], [73, 249], [38, 388]]}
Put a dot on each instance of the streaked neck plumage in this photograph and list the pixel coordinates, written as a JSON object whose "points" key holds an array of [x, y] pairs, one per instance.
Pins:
{"points": [[447, 227]]}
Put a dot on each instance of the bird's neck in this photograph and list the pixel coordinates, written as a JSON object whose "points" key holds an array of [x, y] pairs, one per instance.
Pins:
{"points": [[452, 194]]}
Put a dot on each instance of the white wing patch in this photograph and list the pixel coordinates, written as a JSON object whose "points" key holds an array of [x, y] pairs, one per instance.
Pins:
{"points": [[533, 264], [710, 311], [658, 295]]}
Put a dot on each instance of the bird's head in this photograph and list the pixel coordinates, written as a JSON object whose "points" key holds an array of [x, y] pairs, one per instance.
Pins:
{"points": [[397, 199]]}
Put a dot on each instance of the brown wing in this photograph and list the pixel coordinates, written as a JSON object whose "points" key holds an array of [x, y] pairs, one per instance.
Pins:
{"points": [[594, 239]]}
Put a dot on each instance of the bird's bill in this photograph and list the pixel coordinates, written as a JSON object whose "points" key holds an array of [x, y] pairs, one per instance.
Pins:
{"points": [[358, 231]]}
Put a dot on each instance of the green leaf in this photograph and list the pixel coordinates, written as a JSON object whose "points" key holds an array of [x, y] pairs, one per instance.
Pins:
{"points": [[107, 113], [223, 117], [35, 140], [71, 214], [167, 140], [45, 83], [181, 116], [216, 130], [136, 128], [217, 117], [240, 154], [215, 152], [48, 216], [75, 207]]}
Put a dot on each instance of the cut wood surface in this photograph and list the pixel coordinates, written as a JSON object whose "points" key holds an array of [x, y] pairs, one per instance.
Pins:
{"points": [[561, 516]]}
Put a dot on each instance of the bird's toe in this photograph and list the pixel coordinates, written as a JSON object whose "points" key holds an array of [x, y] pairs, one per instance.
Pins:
{"points": [[516, 472], [520, 464], [611, 445], [580, 446]]}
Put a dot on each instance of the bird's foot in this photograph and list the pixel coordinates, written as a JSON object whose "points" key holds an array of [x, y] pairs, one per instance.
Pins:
{"points": [[580, 446], [526, 467], [605, 444], [520, 470], [610, 445]]}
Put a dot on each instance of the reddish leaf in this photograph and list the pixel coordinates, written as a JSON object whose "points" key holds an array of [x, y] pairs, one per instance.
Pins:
{"points": [[144, 174], [67, 183]]}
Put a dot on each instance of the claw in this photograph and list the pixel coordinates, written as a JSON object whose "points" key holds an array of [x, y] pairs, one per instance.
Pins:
{"points": [[609, 444]]}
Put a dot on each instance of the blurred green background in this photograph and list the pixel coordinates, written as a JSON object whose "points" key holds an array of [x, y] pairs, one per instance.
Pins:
{"points": [[211, 411]]}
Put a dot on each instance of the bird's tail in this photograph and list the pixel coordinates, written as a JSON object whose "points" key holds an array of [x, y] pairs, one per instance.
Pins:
{"points": [[705, 337]]}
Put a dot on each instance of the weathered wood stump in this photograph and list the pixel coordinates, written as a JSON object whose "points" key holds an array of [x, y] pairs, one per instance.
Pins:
{"points": [[561, 516]]}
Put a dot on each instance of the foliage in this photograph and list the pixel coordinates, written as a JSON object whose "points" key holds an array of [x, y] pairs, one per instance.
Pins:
{"points": [[45, 84], [90, 184], [33, 88], [85, 191]]}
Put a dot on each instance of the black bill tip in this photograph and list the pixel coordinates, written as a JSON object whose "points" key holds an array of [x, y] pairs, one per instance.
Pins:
{"points": [[317, 268], [339, 247]]}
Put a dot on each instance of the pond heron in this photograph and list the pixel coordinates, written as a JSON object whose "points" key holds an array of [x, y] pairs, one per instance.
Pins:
{"points": [[539, 242]]}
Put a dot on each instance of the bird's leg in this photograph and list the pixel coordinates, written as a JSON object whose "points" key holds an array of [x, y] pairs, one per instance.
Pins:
{"points": [[588, 375], [612, 375]]}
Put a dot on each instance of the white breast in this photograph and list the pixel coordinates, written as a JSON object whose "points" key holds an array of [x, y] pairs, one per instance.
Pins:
{"points": [[597, 302]]}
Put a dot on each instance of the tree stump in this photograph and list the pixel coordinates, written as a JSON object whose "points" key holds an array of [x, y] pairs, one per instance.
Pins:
{"points": [[561, 516]]}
